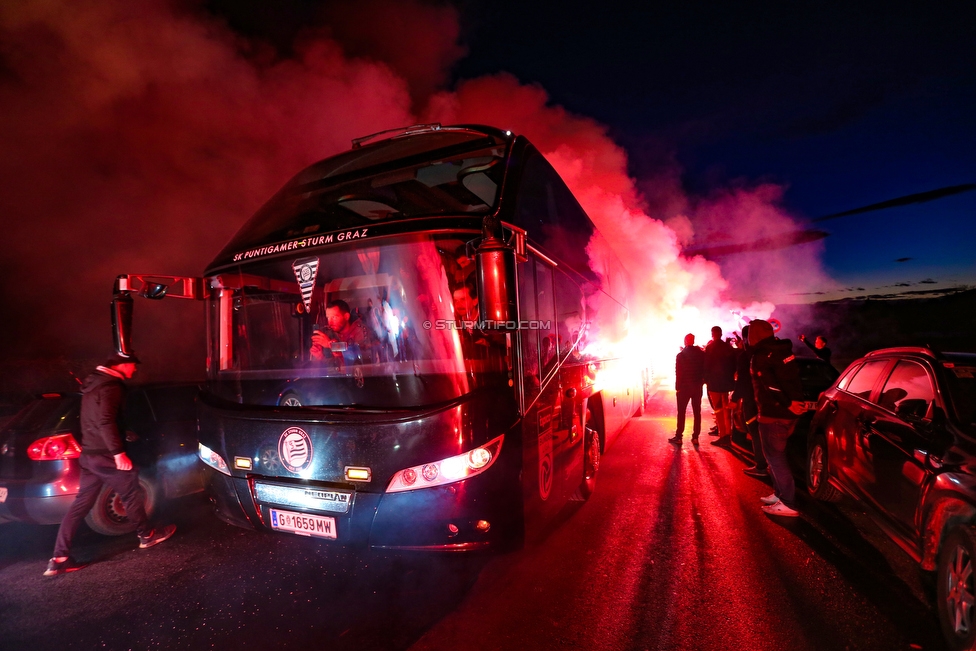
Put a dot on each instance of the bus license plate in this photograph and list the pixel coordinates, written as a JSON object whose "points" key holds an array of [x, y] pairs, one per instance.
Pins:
{"points": [[3, 494], [303, 524]]}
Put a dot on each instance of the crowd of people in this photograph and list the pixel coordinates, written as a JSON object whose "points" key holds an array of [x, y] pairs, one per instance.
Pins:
{"points": [[758, 380]]}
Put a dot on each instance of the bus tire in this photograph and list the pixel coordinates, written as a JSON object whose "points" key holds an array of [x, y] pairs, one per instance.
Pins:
{"points": [[591, 466], [108, 517]]}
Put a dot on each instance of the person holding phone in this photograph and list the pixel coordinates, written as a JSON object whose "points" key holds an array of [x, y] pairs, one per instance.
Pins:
{"points": [[341, 334]]}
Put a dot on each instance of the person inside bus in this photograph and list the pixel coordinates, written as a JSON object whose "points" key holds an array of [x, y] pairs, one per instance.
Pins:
{"points": [[463, 266], [466, 304], [343, 339], [466, 314]]}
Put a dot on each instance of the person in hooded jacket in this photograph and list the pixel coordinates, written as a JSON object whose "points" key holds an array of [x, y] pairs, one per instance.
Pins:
{"points": [[779, 399], [720, 380], [689, 376], [103, 461], [744, 397]]}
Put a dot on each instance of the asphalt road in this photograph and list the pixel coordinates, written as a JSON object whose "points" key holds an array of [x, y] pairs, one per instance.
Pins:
{"points": [[672, 552]]}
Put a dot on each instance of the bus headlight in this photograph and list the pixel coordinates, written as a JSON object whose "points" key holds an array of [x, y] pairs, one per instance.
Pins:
{"points": [[213, 459], [446, 471]]}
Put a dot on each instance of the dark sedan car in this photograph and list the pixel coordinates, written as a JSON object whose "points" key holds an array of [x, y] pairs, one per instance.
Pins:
{"points": [[39, 452], [897, 432]]}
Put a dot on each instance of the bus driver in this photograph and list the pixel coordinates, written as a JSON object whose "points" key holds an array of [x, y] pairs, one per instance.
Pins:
{"points": [[341, 330]]}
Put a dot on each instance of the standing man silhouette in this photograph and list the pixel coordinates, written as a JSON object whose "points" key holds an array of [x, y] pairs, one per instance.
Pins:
{"points": [[689, 376]]}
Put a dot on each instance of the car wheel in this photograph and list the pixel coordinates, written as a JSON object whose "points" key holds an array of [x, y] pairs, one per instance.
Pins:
{"points": [[108, 516], [591, 466], [291, 399], [955, 590], [817, 483]]}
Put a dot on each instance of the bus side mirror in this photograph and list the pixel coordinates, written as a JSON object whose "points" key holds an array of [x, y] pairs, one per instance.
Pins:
{"points": [[122, 322], [495, 270]]}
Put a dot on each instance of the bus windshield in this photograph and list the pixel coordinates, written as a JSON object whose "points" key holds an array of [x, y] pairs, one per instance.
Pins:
{"points": [[461, 181], [391, 325]]}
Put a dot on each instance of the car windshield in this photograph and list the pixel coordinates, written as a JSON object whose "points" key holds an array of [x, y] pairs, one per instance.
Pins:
{"points": [[815, 375], [386, 326]]}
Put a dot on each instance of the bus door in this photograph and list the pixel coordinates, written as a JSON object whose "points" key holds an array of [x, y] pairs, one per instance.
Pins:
{"points": [[552, 400]]}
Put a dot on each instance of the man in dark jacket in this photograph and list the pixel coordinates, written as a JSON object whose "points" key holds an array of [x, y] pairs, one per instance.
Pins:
{"points": [[720, 380], [103, 461], [779, 398], [819, 347], [689, 376], [744, 400]]}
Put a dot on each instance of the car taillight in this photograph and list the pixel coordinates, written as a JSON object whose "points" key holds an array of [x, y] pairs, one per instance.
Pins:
{"points": [[447, 471], [54, 448]]}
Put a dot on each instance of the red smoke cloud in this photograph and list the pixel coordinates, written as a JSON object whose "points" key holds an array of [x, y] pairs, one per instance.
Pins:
{"points": [[672, 295], [138, 138]]}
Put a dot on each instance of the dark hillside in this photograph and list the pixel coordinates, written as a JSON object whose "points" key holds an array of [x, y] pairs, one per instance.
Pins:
{"points": [[854, 327]]}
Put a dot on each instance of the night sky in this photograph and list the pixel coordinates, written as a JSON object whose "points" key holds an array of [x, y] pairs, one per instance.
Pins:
{"points": [[844, 105], [139, 138]]}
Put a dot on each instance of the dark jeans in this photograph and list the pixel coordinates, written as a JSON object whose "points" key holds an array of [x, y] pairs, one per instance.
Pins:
{"points": [[757, 447], [95, 472], [695, 397], [774, 436]]}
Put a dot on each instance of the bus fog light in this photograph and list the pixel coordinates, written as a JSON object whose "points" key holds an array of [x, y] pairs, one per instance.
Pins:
{"points": [[409, 477], [452, 530], [358, 474], [482, 525], [429, 471]]}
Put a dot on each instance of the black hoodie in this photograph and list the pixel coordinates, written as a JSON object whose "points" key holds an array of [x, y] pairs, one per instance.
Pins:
{"points": [[102, 398], [775, 378]]}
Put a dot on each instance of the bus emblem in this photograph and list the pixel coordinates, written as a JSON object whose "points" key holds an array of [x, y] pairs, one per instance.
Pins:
{"points": [[545, 452], [295, 449], [305, 272]]}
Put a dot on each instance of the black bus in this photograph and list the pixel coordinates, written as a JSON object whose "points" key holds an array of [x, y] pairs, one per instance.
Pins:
{"points": [[397, 347]]}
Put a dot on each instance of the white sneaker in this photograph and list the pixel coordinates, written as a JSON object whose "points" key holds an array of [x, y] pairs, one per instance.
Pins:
{"points": [[780, 509], [769, 500]]}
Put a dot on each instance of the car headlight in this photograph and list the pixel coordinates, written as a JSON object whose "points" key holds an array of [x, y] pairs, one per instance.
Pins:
{"points": [[213, 459], [447, 471]]}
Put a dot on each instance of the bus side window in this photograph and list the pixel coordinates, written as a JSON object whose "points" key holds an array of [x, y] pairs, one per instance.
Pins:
{"points": [[545, 314], [529, 346], [569, 312]]}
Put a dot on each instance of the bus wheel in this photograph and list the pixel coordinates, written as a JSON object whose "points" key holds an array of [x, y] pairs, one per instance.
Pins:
{"points": [[591, 466], [108, 516]]}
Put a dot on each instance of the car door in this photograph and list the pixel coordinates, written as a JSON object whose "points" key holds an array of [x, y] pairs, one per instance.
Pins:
{"points": [[849, 425], [899, 443]]}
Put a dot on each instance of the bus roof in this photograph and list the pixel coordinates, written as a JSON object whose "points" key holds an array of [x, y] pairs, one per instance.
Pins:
{"points": [[358, 179]]}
